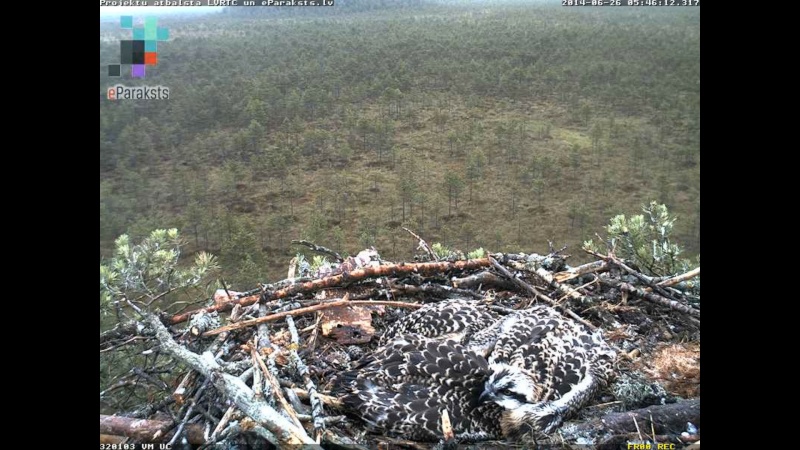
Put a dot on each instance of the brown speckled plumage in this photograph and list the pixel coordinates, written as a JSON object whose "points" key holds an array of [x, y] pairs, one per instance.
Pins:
{"points": [[495, 376]]}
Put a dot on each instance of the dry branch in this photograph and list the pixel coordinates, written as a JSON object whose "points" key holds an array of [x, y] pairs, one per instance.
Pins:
{"points": [[319, 249], [388, 270], [680, 278], [644, 279], [651, 297], [561, 288], [308, 309], [123, 330], [422, 244], [535, 292], [276, 388], [302, 369], [481, 279], [433, 289], [236, 390], [575, 272]]}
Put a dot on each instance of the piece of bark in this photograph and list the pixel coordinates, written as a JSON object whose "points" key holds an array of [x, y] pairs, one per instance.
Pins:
{"points": [[348, 324], [111, 439]]}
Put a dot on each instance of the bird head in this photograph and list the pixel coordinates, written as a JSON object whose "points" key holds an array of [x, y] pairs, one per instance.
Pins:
{"points": [[509, 386], [515, 391]]}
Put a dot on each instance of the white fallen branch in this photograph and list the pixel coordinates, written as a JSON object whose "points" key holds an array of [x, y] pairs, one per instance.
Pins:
{"points": [[233, 387]]}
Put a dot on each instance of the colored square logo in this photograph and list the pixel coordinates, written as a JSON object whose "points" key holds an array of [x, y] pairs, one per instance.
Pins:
{"points": [[137, 71], [150, 28], [142, 49]]}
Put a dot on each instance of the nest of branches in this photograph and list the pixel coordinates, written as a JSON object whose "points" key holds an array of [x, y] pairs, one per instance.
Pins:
{"points": [[252, 369]]}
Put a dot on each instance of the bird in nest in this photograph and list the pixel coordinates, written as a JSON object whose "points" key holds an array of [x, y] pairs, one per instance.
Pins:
{"points": [[496, 376]]}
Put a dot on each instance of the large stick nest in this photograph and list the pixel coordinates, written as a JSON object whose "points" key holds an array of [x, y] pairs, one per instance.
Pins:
{"points": [[286, 341]]}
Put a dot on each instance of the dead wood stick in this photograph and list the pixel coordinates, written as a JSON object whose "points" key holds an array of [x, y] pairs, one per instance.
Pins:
{"points": [[276, 316], [319, 249], [151, 408], [180, 392], [316, 405], [125, 381], [235, 389], [422, 244], [307, 309], [561, 288], [326, 399], [664, 419], [641, 277], [575, 272], [651, 297], [535, 292], [144, 430], [342, 441], [276, 388], [396, 304], [680, 278], [121, 344], [258, 383], [326, 420], [484, 278], [436, 289], [263, 329], [222, 423], [122, 330], [188, 414], [363, 273]]}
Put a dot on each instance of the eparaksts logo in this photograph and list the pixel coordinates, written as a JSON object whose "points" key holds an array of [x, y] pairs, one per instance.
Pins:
{"points": [[120, 92]]}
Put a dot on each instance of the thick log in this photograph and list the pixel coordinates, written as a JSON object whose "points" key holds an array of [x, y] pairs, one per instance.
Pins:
{"points": [[665, 419], [389, 270], [142, 430]]}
